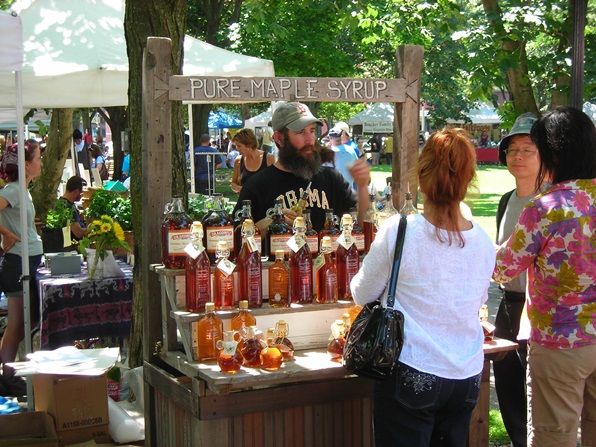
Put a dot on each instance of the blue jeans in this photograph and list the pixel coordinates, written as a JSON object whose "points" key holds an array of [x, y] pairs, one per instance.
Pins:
{"points": [[416, 409]]}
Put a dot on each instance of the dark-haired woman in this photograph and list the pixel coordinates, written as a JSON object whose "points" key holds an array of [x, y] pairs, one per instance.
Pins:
{"points": [[443, 282], [251, 159], [555, 242]]}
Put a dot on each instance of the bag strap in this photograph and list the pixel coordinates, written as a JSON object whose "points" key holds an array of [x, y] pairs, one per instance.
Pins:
{"points": [[399, 246]]}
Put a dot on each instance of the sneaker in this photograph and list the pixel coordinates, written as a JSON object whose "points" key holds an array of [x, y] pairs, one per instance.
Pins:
{"points": [[15, 386]]}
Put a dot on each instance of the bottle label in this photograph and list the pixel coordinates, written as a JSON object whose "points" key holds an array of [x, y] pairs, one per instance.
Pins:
{"points": [[278, 242], [226, 267], [359, 241], [229, 348], [216, 234], [296, 242], [193, 251], [346, 240], [177, 242], [319, 262], [253, 245], [313, 244]]}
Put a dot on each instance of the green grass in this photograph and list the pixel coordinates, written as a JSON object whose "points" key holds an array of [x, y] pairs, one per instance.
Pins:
{"points": [[496, 429]]}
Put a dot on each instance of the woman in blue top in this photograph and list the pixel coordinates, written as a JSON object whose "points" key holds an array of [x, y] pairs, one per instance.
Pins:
{"points": [[10, 262]]}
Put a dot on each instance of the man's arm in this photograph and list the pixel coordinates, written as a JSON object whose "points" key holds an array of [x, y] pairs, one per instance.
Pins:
{"points": [[360, 172]]}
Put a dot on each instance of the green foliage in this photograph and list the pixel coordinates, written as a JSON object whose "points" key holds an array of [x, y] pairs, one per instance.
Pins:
{"points": [[60, 215], [109, 203], [199, 206], [496, 428]]}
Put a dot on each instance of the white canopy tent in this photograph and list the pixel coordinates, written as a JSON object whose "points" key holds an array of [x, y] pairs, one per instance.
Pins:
{"points": [[377, 118], [260, 120]]}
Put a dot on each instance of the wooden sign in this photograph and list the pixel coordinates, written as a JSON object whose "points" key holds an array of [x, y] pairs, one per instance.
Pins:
{"points": [[239, 89]]}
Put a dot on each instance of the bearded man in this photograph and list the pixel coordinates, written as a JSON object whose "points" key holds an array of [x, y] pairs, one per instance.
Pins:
{"points": [[298, 165]]}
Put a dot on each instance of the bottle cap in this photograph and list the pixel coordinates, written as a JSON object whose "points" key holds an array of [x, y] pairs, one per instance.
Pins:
{"points": [[248, 225], [299, 222], [326, 242], [196, 226], [246, 203], [222, 245], [408, 196], [279, 254], [347, 219], [243, 304], [209, 307]]}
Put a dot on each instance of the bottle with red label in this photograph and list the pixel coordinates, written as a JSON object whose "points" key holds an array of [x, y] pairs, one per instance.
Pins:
{"points": [[347, 260], [197, 272], [175, 234], [330, 228], [370, 223], [301, 280], [357, 231], [240, 216], [312, 237], [218, 226], [249, 266], [223, 278], [326, 274], [278, 231]]}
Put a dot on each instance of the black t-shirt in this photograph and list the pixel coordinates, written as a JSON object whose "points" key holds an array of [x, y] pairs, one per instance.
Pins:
{"points": [[328, 190]]}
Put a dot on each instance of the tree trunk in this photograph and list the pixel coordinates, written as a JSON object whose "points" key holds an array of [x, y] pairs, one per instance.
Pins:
{"points": [[162, 18], [200, 116], [117, 119], [57, 151]]}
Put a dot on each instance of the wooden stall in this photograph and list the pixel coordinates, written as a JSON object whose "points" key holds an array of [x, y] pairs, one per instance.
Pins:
{"points": [[310, 401]]}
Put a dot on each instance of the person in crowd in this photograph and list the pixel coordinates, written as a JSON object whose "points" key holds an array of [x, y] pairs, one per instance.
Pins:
{"points": [[126, 165], [344, 154], [327, 157], [360, 145], [98, 161], [484, 139], [82, 149], [205, 166], [299, 164], [11, 260], [554, 241], [519, 153], [267, 139], [388, 149], [346, 139], [443, 282], [376, 144], [251, 159], [232, 156], [73, 193]]}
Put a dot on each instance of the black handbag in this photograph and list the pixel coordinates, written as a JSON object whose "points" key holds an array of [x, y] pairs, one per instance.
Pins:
{"points": [[376, 337]]}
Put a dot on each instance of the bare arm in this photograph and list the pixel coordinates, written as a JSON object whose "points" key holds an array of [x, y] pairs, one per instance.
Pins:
{"points": [[236, 186], [8, 237], [360, 172]]}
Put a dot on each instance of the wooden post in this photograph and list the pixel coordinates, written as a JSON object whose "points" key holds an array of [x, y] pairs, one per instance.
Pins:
{"points": [[156, 192], [406, 123]]}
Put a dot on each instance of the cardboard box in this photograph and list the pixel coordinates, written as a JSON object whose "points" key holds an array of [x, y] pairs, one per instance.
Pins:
{"points": [[64, 263], [32, 429], [78, 404]]}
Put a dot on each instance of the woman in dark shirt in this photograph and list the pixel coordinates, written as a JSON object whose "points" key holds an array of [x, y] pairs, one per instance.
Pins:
{"points": [[251, 159]]}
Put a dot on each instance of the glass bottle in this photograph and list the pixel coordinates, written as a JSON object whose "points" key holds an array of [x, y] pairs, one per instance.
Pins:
{"points": [[223, 277], [271, 357], [197, 272], [252, 347], [354, 311], [408, 207], [330, 229], [282, 330], [209, 332], [389, 209], [279, 282], [302, 202], [229, 359], [357, 231], [278, 231], [369, 224], [241, 216], [346, 258], [312, 237], [326, 274], [249, 267], [301, 287], [218, 226], [335, 348], [345, 317], [241, 321], [175, 234]]}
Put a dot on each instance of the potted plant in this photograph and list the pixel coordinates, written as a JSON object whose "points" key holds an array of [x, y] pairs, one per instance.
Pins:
{"points": [[56, 219]]}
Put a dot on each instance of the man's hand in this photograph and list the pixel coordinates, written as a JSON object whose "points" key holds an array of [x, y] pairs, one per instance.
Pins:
{"points": [[360, 172]]}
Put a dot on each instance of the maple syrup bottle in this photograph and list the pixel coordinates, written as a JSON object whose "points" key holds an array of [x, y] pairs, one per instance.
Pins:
{"points": [[282, 330], [249, 267], [326, 274], [229, 358], [271, 357], [242, 215], [175, 235], [197, 272], [330, 229], [345, 317], [389, 209], [370, 223], [408, 207], [354, 311], [251, 349], [357, 231], [223, 277], [301, 287], [279, 282], [312, 237], [242, 320], [346, 258], [218, 226], [335, 348], [302, 203], [278, 231], [209, 332]]}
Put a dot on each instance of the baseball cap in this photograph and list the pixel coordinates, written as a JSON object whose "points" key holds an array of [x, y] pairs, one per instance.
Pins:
{"points": [[523, 125], [335, 133], [343, 126], [293, 115]]}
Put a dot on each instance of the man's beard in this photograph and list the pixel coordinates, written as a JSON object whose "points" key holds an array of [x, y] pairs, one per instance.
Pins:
{"points": [[291, 158]]}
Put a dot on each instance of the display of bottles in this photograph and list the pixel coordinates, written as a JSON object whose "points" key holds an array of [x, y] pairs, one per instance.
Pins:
{"points": [[252, 347], [209, 332], [330, 229], [197, 272], [248, 265], [326, 274], [408, 207], [278, 231], [271, 357], [369, 224], [229, 358], [312, 237], [241, 321], [282, 331], [335, 348], [346, 258], [240, 217], [218, 226], [389, 209], [223, 278], [302, 203], [279, 282], [301, 286], [175, 234], [357, 231]]}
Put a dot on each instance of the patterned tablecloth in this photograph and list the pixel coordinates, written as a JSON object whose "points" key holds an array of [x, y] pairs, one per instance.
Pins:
{"points": [[74, 307]]}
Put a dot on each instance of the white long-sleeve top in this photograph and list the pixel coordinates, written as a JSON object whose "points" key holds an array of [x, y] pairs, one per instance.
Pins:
{"points": [[440, 290]]}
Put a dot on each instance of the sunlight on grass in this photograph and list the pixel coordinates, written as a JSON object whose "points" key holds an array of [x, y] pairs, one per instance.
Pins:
{"points": [[496, 429]]}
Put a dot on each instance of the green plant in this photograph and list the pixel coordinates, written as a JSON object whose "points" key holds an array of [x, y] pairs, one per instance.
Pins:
{"points": [[59, 216], [200, 204], [109, 203], [124, 213]]}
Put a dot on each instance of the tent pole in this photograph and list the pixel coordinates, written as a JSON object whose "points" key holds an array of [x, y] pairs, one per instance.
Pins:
{"points": [[191, 149]]}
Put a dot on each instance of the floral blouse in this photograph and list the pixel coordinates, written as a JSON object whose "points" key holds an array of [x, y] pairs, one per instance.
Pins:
{"points": [[555, 240]]}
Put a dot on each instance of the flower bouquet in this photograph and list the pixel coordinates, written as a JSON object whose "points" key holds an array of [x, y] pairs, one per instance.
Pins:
{"points": [[103, 234]]}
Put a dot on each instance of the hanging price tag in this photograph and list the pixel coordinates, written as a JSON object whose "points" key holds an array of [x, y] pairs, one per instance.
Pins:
{"points": [[346, 240], [193, 251], [319, 262], [66, 236], [226, 266], [252, 244], [295, 243]]}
